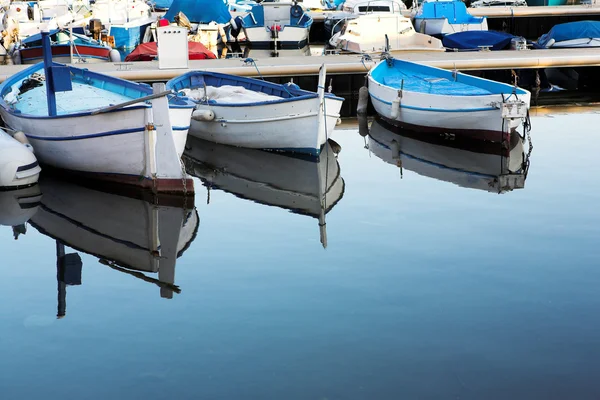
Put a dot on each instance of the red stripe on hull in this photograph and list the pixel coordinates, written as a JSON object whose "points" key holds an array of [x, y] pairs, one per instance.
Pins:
{"points": [[64, 50]]}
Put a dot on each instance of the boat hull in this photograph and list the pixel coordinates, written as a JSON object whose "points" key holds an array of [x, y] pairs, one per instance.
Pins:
{"points": [[62, 54], [441, 26], [290, 37], [109, 146], [295, 126], [130, 35]]}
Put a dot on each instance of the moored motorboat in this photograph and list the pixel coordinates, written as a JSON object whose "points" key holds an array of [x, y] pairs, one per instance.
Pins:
{"points": [[462, 161], [278, 25], [252, 113], [18, 165], [84, 49], [379, 31], [442, 17], [104, 127], [571, 35], [413, 95], [303, 185]]}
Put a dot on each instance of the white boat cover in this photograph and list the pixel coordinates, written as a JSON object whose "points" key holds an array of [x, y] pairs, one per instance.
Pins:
{"points": [[229, 94]]}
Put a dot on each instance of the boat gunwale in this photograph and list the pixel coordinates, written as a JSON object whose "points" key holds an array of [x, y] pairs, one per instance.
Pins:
{"points": [[519, 91], [301, 94], [143, 88]]}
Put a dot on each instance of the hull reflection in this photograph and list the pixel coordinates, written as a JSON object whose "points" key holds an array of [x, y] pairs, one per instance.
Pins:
{"points": [[468, 163], [304, 185]]}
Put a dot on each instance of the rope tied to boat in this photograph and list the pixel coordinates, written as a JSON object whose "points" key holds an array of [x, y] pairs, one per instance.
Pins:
{"points": [[250, 61]]}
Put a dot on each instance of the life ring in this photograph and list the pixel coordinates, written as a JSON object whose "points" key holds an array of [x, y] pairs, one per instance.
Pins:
{"points": [[296, 11]]}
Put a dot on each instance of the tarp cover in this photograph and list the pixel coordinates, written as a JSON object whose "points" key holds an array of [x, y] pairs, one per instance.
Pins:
{"points": [[148, 52], [471, 40], [201, 11], [162, 4], [570, 31]]}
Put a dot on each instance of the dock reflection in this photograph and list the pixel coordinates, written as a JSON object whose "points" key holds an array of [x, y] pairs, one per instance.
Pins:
{"points": [[125, 232], [468, 163], [304, 185]]}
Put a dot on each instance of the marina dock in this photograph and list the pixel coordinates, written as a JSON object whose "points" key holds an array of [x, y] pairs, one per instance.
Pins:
{"points": [[147, 71]]}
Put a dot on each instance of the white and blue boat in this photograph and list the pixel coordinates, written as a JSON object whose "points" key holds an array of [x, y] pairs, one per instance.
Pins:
{"points": [[277, 25], [125, 20], [257, 114], [571, 35], [433, 99], [100, 126], [84, 49], [442, 17]]}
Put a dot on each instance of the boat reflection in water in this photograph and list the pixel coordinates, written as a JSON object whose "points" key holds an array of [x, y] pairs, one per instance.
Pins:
{"points": [[304, 185], [493, 167], [125, 232], [18, 206]]}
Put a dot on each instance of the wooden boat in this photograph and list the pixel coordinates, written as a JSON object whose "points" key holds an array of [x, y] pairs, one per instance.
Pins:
{"points": [[121, 229], [18, 165], [85, 49], [278, 25], [304, 185], [441, 17], [462, 161], [432, 99], [257, 114], [100, 126], [378, 31]]}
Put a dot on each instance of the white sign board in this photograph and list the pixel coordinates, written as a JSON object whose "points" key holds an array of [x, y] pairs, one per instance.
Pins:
{"points": [[172, 47]]}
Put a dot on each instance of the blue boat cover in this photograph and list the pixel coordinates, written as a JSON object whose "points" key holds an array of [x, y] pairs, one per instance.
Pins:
{"points": [[570, 31], [201, 11], [471, 40], [162, 4]]}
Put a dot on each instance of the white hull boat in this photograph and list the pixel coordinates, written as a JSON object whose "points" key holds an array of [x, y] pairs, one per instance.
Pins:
{"points": [[380, 31], [464, 162], [303, 185], [256, 114], [18, 165], [432, 99], [103, 127], [277, 25], [442, 17], [122, 230]]}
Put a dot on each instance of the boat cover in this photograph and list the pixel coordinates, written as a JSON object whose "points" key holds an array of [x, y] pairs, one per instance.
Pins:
{"points": [[201, 11], [229, 94], [148, 52], [471, 40], [571, 31], [162, 4]]}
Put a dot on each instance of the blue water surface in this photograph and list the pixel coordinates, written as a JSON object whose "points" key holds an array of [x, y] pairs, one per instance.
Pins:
{"points": [[426, 290]]}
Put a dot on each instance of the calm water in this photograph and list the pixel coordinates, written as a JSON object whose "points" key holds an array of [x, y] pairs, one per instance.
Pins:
{"points": [[431, 286]]}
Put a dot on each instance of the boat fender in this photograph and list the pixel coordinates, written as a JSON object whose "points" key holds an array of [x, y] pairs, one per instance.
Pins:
{"points": [[114, 55], [395, 111], [296, 11], [363, 100], [21, 138], [363, 125], [292, 85], [16, 56], [203, 115]]}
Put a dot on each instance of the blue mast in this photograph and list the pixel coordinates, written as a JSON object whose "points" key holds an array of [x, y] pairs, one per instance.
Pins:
{"points": [[47, 51]]}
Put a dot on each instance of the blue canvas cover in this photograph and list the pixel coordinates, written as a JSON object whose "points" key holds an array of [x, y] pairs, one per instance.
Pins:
{"points": [[201, 11], [162, 4], [570, 31], [471, 40]]}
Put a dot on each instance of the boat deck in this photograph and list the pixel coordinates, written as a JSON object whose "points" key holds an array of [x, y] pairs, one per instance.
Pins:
{"points": [[424, 83], [82, 98]]}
